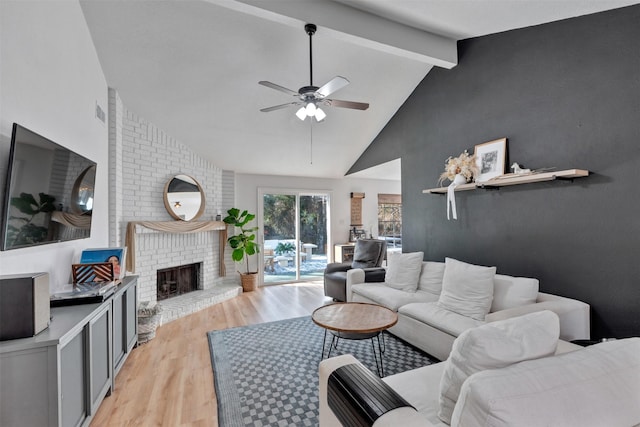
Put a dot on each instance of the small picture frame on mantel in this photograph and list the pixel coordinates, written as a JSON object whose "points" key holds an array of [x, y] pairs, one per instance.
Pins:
{"points": [[491, 159]]}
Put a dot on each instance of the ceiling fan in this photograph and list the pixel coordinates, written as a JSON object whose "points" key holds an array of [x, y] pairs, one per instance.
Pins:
{"points": [[311, 97]]}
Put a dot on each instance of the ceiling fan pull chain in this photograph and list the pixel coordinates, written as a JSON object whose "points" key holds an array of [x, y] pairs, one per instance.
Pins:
{"points": [[311, 142]]}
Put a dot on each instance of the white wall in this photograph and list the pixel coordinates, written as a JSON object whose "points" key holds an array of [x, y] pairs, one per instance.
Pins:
{"points": [[50, 82], [340, 190]]}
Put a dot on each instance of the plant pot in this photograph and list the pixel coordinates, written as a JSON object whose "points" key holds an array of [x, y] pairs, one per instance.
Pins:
{"points": [[249, 281], [459, 179]]}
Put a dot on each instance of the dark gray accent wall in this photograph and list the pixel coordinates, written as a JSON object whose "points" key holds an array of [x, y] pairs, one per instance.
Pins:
{"points": [[566, 95]]}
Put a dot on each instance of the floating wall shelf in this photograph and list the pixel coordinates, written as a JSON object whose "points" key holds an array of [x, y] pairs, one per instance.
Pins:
{"points": [[511, 179]]}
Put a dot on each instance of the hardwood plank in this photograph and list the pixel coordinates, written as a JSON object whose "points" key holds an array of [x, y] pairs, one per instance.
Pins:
{"points": [[168, 381]]}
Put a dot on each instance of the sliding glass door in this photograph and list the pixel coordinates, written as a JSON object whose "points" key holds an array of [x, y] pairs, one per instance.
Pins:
{"points": [[295, 229]]}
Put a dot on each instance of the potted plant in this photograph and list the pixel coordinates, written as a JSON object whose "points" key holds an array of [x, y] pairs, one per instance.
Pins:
{"points": [[284, 250], [243, 244]]}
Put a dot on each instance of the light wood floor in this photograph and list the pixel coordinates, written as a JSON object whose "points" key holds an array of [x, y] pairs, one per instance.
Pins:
{"points": [[168, 381]]}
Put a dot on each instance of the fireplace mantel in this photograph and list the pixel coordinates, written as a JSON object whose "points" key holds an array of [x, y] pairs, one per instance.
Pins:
{"points": [[174, 227]]}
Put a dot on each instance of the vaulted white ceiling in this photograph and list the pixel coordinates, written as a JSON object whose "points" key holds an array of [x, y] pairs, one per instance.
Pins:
{"points": [[192, 68]]}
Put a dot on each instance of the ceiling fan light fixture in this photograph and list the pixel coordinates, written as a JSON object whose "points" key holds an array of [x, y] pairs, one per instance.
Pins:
{"points": [[320, 115], [301, 113], [311, 109]]}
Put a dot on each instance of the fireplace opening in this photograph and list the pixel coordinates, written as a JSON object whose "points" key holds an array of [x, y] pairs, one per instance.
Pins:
{"points": [[175, 281]]}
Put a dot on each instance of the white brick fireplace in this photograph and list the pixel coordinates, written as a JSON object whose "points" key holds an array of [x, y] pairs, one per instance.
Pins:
{"points": [[158, 250], [142, 158]]}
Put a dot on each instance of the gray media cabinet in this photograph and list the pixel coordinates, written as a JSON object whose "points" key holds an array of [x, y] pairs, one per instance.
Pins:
{"points": [[60, 376]]}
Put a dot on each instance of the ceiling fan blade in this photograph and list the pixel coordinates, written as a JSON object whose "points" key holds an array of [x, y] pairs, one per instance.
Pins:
{"points": [[278, 87], [279, 107], [347, 104], [337, 83]]}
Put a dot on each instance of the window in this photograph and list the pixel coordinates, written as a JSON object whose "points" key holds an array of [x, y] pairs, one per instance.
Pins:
{"points": [[390, 219]]}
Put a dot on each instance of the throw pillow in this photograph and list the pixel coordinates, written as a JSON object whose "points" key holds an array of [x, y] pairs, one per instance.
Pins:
{"points": [[467, 289], [404, 270], [509, 292], [431, 277], [494, 346]]}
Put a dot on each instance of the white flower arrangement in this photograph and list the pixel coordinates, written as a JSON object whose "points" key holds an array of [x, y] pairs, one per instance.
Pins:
{"points": [[464, 165]]}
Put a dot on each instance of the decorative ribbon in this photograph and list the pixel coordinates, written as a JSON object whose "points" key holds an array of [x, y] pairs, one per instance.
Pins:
{"points": [[174, 227], [451, 195]]}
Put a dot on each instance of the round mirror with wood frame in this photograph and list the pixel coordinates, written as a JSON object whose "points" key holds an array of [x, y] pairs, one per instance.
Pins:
{"points": [[184, 198]]}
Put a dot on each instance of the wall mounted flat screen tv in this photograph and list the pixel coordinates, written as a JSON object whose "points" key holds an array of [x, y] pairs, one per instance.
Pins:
{"points": [[49, 192]]}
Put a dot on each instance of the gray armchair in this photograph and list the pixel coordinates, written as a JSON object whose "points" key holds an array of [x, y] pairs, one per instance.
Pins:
{"points": [[368, 254]]}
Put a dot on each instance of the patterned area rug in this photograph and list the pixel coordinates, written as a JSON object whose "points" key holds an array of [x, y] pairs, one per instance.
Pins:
{"points": [[267, 374]]}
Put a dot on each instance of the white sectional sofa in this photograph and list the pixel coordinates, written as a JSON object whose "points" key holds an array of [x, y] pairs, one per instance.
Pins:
{"points": [[512, 372], [437, 301]]}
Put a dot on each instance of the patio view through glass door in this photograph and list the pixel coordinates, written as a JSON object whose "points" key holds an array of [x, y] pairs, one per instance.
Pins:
{"points": [[295, 230]]}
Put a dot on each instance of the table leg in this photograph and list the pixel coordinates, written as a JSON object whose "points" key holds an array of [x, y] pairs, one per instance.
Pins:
{"points": [[324, 339], [380, 365], [381, 351]]}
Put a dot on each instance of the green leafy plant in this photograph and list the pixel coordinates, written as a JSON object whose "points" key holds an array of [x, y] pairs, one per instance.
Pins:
{"points": [[284, 248], [28, 232], [243, 243]]}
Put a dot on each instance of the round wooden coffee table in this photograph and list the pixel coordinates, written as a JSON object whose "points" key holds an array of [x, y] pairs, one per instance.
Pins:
{"points": [[355, 321]]}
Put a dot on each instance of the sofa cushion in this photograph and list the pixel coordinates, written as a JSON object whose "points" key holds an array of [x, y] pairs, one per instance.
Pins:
{"points": [[431, 277], [493, 346], [595, 386], [404, 270], [433, 315], [391, 298], [509, 292], [467, 289], [420, 388]]}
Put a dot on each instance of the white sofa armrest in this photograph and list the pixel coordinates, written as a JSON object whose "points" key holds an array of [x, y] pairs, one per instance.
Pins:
{"points": [[327, 366], [574, 315], [354, 276], [404, 416]]}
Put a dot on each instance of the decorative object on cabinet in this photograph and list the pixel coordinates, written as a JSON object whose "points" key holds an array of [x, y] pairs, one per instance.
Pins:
{"points": [[490, 159], [95, 272], [115, 256], [464, 165], [243, 245], [496, 183], [184, 198], [92, 283]]}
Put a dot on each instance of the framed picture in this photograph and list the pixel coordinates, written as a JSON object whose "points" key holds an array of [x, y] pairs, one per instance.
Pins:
{"points": [[356, 234], [491, 159], [116, 256]]}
